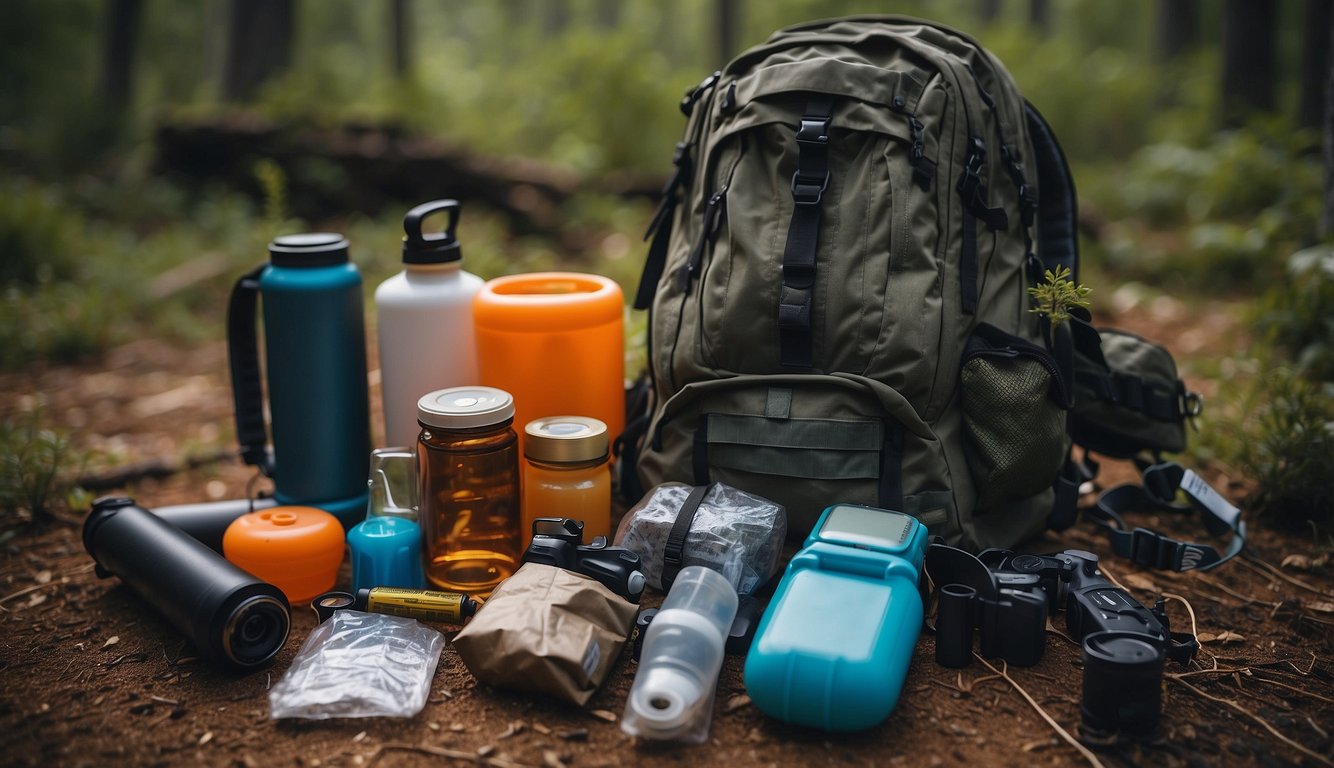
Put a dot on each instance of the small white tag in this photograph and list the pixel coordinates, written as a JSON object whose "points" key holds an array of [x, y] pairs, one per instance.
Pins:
{"points": [[1212, 500], [592, 656]]}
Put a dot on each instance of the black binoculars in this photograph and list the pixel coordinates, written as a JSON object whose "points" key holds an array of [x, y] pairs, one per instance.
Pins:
{"points": [[559, 541]]}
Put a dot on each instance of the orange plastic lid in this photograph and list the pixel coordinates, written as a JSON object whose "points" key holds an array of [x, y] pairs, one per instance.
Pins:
{"points": [[296, 549], [548, 301]]}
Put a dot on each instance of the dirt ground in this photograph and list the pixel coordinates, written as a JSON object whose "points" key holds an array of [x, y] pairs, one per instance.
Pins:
{"points": [[92, 676]]}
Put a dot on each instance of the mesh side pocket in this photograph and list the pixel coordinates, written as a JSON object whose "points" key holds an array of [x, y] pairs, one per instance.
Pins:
{"points": [[1014, 416]]}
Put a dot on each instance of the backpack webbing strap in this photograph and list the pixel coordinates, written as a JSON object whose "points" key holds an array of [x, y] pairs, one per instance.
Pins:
{"points": [[891, 467], [1058, 241], [1155, 550], [673, 552], [973, 191], [796, 299]]}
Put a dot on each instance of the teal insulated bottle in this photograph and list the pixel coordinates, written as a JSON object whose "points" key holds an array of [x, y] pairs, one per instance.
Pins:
{"points": [[315, 353]]}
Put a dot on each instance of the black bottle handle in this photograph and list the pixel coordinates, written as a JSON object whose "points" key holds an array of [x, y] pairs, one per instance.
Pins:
{"points": [[243, 356], [412, 222]]}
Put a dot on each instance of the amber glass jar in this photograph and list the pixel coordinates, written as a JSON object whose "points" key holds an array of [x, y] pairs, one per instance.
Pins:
{"points": [[468, 465], [566, 474]]}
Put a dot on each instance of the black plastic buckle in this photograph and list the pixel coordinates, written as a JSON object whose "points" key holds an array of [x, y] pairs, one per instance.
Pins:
{"points": [[808, 190], [799, 276], [813, 130], [693, 95], [1153, 549]]}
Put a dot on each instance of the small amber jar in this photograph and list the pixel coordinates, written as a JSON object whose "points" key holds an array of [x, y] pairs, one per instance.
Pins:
{"points": [[566, 474], [468, 465]]}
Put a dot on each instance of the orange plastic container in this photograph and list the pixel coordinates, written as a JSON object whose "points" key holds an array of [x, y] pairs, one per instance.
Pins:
{"points": [[556, 342], [296, 549]]}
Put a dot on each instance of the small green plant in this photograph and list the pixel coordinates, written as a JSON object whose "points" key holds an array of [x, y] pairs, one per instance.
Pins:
{"points": [[31, 460], [1296, 313], [1290, 450], [1056, 297]]}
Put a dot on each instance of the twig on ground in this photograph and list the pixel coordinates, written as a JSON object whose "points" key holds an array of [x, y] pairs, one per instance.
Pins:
{"points": [[1266, 569], [452, 754], [29, 590], [1063, 733], [1254, 717], [1223, 588]]}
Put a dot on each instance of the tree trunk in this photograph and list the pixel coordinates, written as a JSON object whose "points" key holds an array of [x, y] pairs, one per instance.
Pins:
{"points": [[609, 14], [259, 45], [988, 11], [1249, 31], [727, 20], [400, 37], [1039, 16], [1327, 220], [118, 69], [1178, 27], [555, 17], [1317, 23]]}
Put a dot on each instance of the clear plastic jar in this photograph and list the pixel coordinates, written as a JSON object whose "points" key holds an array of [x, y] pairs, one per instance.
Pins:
{"points": [[468, 465], [566, 474]]}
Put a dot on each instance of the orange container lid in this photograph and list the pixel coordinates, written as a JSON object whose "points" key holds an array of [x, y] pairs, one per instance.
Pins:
{"points": [[296, 549], [542, 302]]}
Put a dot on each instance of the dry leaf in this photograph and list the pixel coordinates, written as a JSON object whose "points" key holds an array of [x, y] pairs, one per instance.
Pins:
{"points": [[36, 600], [1320, 606], [1305, 562], [1226, 636], [206, 738], [42, 577], [737, 702], [359, 737], [111, 641], [603, 714]]}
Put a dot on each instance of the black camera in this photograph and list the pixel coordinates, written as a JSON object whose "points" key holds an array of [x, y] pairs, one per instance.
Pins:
{"points": [[559, 541]]}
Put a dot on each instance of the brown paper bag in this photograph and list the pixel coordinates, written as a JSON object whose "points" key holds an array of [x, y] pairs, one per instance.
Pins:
{"points": [[547, 629]]}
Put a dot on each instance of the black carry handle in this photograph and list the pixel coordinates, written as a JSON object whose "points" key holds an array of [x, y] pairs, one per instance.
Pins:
{"points": [[431, 247], [243, 356]]}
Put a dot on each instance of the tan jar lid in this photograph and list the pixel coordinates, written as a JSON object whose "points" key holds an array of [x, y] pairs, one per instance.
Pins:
{"points": [[565, 439]]}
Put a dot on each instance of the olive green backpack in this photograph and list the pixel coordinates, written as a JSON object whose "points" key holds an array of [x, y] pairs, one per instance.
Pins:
{"points": [[838, 284]]}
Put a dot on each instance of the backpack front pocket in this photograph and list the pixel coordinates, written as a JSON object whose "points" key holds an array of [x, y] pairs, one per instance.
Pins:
{"points": [[1014, 400]]}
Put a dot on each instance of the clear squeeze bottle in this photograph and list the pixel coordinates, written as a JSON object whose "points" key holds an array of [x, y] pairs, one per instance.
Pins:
{"points": [[565, 474], [468, 467], [425, 319]]}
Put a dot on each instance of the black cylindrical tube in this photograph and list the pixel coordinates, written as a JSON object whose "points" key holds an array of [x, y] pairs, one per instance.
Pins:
{"points": [[1123, 677], [232, 617], [208, 521], [954, 625]]}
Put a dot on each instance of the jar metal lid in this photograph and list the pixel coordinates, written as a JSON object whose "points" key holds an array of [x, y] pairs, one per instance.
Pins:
{"points": [[564, 439], [465, 407]]}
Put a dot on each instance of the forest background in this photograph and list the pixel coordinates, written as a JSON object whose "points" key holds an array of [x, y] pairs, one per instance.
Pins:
{"points": [[149, 149]]}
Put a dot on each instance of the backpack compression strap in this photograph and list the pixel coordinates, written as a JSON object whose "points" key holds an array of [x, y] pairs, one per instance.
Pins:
{"points": [[811, 179]]}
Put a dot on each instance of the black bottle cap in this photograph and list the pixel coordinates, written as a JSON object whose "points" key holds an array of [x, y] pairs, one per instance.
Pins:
{"points": [[314, 249], [435, 248]]}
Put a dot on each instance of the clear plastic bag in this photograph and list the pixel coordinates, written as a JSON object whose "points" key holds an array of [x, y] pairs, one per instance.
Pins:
{"points": [[735, 533], [359, 664]]}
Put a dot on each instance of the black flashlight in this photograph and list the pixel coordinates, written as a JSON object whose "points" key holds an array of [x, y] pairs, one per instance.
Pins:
{"points": [[232, 617]]}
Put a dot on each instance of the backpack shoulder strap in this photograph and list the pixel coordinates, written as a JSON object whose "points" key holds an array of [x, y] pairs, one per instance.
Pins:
{"points": [[1058, 208]]}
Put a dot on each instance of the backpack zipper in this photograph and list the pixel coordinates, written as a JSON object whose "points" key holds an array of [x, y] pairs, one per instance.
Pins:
{"points": [[708, 232]]}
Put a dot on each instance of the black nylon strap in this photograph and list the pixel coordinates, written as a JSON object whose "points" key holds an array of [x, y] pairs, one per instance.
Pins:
{"points": [[673, 553], [891, 467], [811, 179], [699, 451], [968, 264], [1151, 548], [1058, 209], [243, 353]]}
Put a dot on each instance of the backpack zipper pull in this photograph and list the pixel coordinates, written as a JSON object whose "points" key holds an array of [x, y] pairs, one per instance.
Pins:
{"points": [[712, 220], [923, 168]]}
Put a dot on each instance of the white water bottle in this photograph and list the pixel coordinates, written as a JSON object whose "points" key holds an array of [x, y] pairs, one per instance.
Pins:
{"points": [[425, 322]]}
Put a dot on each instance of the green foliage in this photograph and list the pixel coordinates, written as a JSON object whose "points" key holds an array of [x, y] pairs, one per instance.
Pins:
{"points": [[1213, 216], [34, 238], [1289, 450], [1298, 314], [1055, 298], [31, 461]]}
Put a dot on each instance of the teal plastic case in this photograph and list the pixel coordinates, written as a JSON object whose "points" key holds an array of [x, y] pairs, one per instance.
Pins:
{"points": [[833, 648]]}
